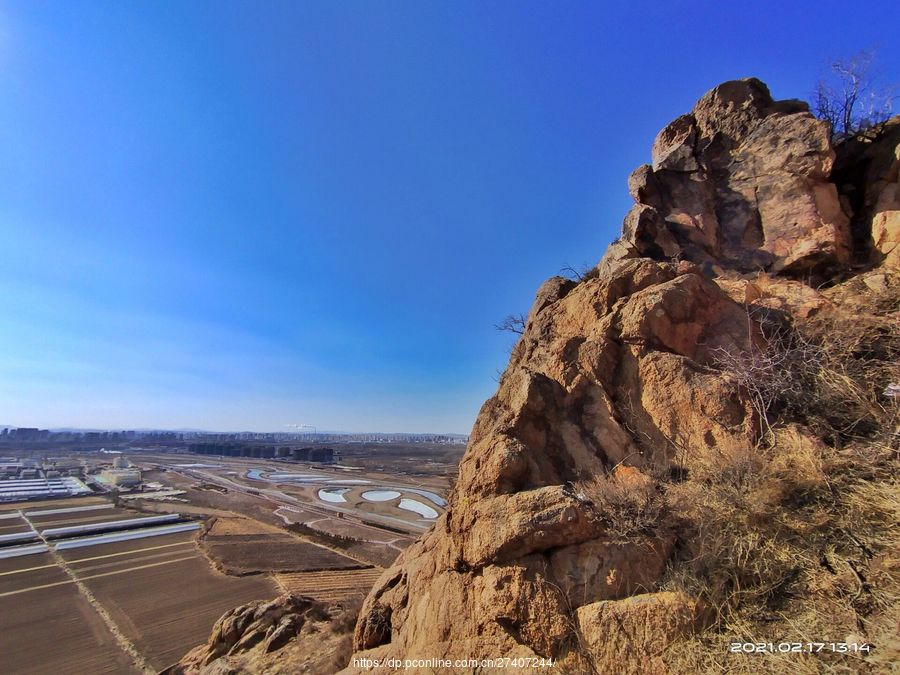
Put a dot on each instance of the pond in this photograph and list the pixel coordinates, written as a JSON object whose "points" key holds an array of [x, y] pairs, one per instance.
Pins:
{"points": [[437, 499], [420, 508], [380, 495], [333, 495]]}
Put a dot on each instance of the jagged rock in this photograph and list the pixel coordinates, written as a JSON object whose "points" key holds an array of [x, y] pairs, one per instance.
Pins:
{"points": [[742, 181], [605, 373], [886, 211], [616, 375], [270, 625], [866, 173], [674, 146]]}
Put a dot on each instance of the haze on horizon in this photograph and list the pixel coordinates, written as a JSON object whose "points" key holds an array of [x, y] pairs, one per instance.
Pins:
{"points": [[233, 216]]}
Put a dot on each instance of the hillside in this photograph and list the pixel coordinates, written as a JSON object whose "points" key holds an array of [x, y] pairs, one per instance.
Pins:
{"points": [[694, 444]]}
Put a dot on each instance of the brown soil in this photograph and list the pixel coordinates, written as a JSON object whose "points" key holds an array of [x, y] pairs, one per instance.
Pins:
{"points": [[333, 586], [169, 607]]}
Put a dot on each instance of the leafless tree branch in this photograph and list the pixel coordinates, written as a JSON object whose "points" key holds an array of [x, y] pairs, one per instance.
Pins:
{"points": [[513, 323]]}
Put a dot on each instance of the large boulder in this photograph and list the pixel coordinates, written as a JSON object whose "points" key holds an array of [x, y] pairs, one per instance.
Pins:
{"points": [[742, 181]]}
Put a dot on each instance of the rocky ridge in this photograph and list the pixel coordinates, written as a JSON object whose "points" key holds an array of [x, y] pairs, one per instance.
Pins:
{"points": [[290, 634], [616, 375], [615, 407]]}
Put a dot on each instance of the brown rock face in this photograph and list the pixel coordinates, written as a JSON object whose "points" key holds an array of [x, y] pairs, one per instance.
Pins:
{"points": [[259, 627], [742, 181], [612, 370], [634, 631], [614, 376], [867, 172]]}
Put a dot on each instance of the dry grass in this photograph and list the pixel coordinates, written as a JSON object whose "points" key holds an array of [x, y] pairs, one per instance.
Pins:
{"points": [[340, 638], [220, 526], [796, 538], [630, 503]]}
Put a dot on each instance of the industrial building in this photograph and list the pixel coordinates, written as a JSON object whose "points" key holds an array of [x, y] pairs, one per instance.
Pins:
{"points": [[41, 488], [63, 466], [120, 477]]}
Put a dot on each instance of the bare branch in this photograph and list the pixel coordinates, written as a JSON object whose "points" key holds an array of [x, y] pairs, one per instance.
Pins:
{"points": [[849, 99], [577, 274], [513, 323]]}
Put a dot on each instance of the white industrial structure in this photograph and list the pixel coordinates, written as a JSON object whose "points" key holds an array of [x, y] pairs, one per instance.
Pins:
{"points": [[41, 488]]}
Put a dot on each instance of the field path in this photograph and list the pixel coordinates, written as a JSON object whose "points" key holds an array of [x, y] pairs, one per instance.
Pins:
{"points": [[124, 643]]}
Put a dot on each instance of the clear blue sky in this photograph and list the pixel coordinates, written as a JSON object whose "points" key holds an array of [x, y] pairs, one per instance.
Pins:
{"points": [[241, 215]]}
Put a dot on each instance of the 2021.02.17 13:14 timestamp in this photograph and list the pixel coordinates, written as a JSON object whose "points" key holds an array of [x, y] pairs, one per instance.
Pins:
{"points": [[799, 647]]}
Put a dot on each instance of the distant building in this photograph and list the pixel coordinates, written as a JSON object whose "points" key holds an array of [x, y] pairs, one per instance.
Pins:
{"points": [[10, 468], [63, 466], [121, 477], [28, 434], [25, 489]]}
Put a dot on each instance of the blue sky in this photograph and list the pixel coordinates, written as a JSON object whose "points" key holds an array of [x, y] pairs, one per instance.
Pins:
{"points": [[240, 215]]}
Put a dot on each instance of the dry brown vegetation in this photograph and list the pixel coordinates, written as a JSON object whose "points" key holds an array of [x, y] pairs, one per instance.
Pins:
{"points": [[631, 505], [796, 539]]}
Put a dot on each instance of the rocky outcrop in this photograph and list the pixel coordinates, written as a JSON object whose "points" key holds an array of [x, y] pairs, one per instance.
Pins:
{"points": [[242, 638], [741, 183], [736, 208], [616, 393], [613, 370]]}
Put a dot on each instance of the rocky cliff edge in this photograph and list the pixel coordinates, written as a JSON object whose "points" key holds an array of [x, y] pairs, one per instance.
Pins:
{"points": [[619, 387]]}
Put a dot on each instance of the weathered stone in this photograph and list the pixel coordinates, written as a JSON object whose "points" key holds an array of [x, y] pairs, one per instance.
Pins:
{"points": [[674, 146], [886, 217], [633, 632], [742, 181]]}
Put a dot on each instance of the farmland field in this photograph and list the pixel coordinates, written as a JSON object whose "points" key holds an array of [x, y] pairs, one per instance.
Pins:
{"points": [[52, 629], [13, 525], [162, 593], [244, 546], [333, 586]]}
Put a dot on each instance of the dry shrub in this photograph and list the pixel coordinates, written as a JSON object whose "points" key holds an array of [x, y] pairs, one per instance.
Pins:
{"points": [[829, 372], [339, 640], [849, 362], [799, 545], [627, 500], [732, 555], [768, 370]]}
